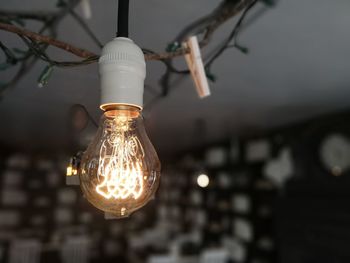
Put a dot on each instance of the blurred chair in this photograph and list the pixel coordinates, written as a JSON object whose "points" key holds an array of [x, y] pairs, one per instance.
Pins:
{"points": [[218, 255], [25, 251], [172, 259], [76, 250], [163, 259]]}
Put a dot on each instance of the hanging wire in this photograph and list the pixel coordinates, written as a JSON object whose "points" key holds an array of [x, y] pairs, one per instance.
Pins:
{"points": [[123, 18]]}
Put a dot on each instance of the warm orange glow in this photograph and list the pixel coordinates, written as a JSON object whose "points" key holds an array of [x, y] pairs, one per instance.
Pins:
{"points": [[69, 171], [119, 172], [120, 164]]}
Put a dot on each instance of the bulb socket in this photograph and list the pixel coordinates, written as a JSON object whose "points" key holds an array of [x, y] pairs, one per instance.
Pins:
{"points": [[122, 69]]}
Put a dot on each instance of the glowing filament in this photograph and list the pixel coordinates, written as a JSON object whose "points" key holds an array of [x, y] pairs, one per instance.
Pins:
{"points": [[120, 164]]}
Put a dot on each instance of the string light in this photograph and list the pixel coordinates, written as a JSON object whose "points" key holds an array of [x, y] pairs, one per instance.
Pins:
{"points": [[203, 180]]}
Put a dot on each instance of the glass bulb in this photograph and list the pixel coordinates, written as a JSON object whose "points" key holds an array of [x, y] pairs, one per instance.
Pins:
{"points": [[120, 169]]}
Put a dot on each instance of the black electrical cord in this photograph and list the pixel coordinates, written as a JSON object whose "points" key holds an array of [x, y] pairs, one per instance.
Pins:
{"points": [[123, 18]]}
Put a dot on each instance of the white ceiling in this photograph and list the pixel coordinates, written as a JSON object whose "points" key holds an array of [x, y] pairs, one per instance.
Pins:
{"points": [[298, 67]]}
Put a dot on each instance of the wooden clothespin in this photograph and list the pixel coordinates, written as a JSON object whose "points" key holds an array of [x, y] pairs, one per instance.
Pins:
{"points": [[86, 9], [195, 64]]}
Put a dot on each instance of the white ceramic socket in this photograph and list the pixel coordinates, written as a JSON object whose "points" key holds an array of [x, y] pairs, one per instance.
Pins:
{"points": [[122, 69]]}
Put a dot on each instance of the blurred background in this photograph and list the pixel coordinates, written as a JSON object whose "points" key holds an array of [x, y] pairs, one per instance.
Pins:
{"points": [[258, 172]]}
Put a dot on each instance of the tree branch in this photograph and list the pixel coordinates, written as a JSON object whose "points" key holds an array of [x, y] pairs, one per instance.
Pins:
{"points": [[227, 10], [48, 40], [209, 24], [37, 42], [38, 15]]}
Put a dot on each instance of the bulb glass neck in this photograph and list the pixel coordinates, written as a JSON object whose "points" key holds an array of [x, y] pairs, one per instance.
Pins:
{"points": [[116, 106], [129, 111]]}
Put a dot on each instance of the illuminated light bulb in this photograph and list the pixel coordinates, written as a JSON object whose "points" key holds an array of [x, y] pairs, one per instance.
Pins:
{"points": [[69, 171], [120, 170], [72, 167], [203, 180]]}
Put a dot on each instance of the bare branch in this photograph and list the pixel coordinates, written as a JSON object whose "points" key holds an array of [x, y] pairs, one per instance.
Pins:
{"points": [[167, 55], [226, 10], [48, 40], [37, 42], [38, 15], [208, 24]]}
